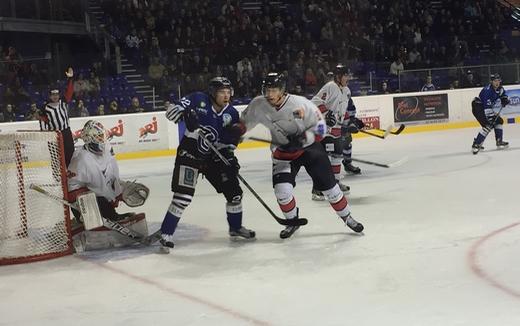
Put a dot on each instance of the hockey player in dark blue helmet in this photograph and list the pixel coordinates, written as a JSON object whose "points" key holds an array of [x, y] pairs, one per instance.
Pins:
{"points": [[483, 110], [207, 117]]}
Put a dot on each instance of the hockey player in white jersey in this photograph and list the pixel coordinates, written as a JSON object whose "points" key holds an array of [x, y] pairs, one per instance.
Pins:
{"points": [[94, 168], [333, 101], [295, 123]]}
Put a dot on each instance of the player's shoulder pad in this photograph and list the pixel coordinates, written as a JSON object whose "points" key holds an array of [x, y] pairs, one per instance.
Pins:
{"points": [[200, 98]]}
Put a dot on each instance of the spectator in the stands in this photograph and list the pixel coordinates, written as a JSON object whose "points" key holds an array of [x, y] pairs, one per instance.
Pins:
{"points": [[81, 87], [455, 84], [470, 80], [20, 93], [135, 106], [94, 84], [166, 104], [428, 85], [113, 108], [78, 110], [9, 114], [33, 113], [396, 67], [243, 66], [384, 88], [310, 81], [100, 109], [155, 71]]}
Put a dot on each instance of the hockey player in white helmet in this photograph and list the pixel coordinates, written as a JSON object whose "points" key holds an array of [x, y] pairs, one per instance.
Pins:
{"points": [[294, 123], [333, 100], [94, 168]]}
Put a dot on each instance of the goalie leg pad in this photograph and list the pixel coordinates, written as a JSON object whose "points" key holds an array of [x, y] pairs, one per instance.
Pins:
{"points": [[89, 210]]}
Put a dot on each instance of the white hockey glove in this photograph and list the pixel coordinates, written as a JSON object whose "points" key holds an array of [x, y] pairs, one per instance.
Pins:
{"points": [[134, 194], [174, 113]]}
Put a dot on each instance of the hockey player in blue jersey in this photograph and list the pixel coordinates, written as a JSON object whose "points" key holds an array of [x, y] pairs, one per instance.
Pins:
{"points": [[482, 108], [212, 116]]}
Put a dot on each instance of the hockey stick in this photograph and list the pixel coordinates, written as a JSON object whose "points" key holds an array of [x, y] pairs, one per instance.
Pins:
{"points": [[398, 131], [109, 224], [382, 165], [376, 135], [282, 221], [389, 130], [386, 132]]}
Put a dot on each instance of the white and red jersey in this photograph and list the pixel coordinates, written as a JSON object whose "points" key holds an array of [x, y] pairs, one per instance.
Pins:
{"points": [[99, 173], [296, 115], [333, 97]]}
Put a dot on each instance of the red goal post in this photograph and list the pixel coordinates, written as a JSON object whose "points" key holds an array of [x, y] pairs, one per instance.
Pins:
{"points": [[32, 226]]}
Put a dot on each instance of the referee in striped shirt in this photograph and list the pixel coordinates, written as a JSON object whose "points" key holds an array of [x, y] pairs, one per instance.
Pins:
{"points": [[54, 116]]}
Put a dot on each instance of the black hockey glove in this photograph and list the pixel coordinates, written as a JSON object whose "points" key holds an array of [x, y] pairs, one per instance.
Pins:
{"points": [[330, 119], [233, 166], [295, 143], [191, 119], [235, 132], [348, 127], [504, 100], [357, 122]]}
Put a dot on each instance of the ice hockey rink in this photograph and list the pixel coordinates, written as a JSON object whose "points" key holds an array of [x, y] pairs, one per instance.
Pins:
{"points": [[441, 247]]}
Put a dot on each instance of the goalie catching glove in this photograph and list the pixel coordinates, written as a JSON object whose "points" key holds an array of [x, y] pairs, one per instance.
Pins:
{"points": [[134, 194]]}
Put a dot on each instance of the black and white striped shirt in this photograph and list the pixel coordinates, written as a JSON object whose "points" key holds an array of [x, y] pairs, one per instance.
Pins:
{"points": [[57, 116]]}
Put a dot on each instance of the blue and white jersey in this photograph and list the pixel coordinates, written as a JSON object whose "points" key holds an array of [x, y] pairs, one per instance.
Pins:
{"points": [[214, 123], [428, 88], [489, 97]]}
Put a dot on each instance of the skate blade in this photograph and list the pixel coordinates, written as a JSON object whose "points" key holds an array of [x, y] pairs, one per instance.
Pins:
{"points": [[318, 198]]}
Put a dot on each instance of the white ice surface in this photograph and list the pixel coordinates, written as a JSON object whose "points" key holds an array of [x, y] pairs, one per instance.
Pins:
{"points": [[441, 247]]}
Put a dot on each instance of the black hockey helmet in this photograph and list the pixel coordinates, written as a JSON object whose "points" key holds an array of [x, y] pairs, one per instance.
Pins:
{"points": [[341, 70], [495, 76], [274, 80], [218, 83]]}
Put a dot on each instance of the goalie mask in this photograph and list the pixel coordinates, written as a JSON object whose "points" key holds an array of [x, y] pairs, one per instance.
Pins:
{"points": [[94, 137]]}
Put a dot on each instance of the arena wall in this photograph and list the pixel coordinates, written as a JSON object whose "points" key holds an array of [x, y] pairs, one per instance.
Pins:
{"points": [[151, 134]]}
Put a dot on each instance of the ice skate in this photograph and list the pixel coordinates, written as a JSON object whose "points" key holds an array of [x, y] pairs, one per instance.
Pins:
{"points": [[288, 231], [242, 234], [344, 188], [475, 148], [353, 224], [502, 144], [349, 168], [317, 195], [166, 243]]}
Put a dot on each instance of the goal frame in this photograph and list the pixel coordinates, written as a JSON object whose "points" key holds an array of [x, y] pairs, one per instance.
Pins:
{"points": [[24, 195]]}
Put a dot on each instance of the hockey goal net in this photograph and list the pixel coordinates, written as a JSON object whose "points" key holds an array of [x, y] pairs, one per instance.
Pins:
{"points": [[32, 226]]}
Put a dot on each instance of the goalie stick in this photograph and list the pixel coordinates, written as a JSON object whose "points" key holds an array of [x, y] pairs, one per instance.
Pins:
{"points": [[109, 224], [293, 221], [381, 165]]}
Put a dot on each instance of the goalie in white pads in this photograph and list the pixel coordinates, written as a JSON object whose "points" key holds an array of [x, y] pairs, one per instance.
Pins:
{"points": [[94, 168], [294, 122]]}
